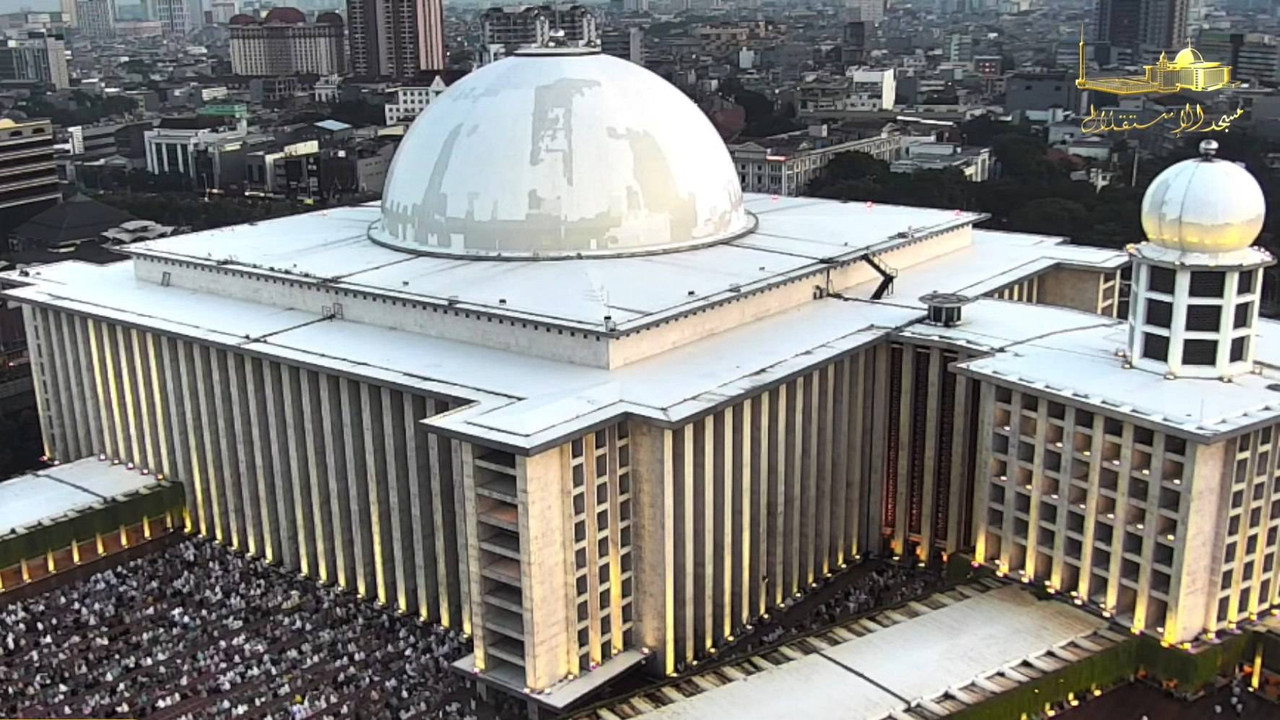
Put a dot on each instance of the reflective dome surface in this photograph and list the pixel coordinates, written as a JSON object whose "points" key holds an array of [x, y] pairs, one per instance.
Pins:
{"points": [[560, 152], [1203, 205]]}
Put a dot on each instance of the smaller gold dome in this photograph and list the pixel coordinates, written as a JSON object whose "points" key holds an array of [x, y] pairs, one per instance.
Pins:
{"points": [[1188, 56], [1204, 205]]}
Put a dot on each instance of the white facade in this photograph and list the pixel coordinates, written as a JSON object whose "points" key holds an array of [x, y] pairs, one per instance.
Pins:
{"points": [[279, 49], [858, 90], [42, 59], [788, 169], [171, 150], [96, 18], [975, 163], [411, 101]]}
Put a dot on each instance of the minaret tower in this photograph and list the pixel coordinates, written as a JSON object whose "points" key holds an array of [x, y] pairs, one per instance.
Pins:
{"points": [[1197, 281]]}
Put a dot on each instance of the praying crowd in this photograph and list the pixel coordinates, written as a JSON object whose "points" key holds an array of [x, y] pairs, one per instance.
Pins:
{"points": [[886, 586], [197, 631]]}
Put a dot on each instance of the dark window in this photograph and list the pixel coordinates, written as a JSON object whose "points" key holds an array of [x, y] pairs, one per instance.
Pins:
{"points": [[1238, 349], [1244, 313], [1159, 313], [1207, 284], [1155, 347], [1204, 318], [1244, 284], [1161, 280], [1199, 352]]}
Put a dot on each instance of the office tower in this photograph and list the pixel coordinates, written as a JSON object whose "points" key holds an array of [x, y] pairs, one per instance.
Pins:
{"points": [[394, 38], [1143, 25], [284, 43]]}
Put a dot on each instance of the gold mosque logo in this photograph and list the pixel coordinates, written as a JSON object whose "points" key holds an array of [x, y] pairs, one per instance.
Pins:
{"points": [[1187, 71]]}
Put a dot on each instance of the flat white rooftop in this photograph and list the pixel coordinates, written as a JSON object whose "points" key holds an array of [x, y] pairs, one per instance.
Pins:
{"points": [[53, 492], [1075, 356], [525, 403], [892, 669], [794, 237]]}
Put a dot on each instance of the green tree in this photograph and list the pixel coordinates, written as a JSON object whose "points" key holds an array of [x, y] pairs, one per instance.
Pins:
{"points": [[1050, 216]]}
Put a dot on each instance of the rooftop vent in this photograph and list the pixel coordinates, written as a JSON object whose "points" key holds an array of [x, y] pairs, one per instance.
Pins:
{"points": [[944, 308]]}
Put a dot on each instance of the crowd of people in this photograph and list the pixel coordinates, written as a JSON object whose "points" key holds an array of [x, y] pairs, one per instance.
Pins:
{"points": [[885, 586], [197, 631]]}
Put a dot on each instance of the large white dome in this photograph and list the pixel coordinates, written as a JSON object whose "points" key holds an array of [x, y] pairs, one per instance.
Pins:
{"points": [[560, 152], [1203, 205]]}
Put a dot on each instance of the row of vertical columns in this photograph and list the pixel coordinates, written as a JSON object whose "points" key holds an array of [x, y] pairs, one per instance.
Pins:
{"points": [[327, 476], [750, 505]]}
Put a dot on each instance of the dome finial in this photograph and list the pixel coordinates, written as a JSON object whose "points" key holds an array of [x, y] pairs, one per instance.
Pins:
{"points": [[1208, 148]]}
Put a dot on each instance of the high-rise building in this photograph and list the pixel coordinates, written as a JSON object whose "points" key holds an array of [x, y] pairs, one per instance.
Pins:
{"points": [[507, 29], [868, 11], [28, 172], [853, 47], [1147, 26], [626, 43], [284, 43], [70, 12], [40, 57], [96, 18], [1252, 56], [172, 15], [395, 38], [221, 11]]}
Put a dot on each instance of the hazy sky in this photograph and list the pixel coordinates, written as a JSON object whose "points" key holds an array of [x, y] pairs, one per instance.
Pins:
{"points": [[11, 6]]}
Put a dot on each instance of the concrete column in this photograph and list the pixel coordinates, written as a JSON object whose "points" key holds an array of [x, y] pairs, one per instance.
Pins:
{"points": [[418, 467], [743, 507], [1197, 561], [114, 400], [126, 393], [705, 575], [89, 410], [149, 458], [264, 474], [544, 576], [335, 461], [466, 605], [241, 446], [831, 459], [902, 514], [194, 461], [653, 544], [858, 503], [397, 442], [353, 434], [310, 465], [760, 548], [929, 473], [160, 404], [178, 458], [779, 542], [446, 556], [61, 402], [376, 469], [293, 437], [40, 377], [961, 457], [210, 427], [810, 481], [469, 553], [687, 564], [797, 448], [982, 482]]}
